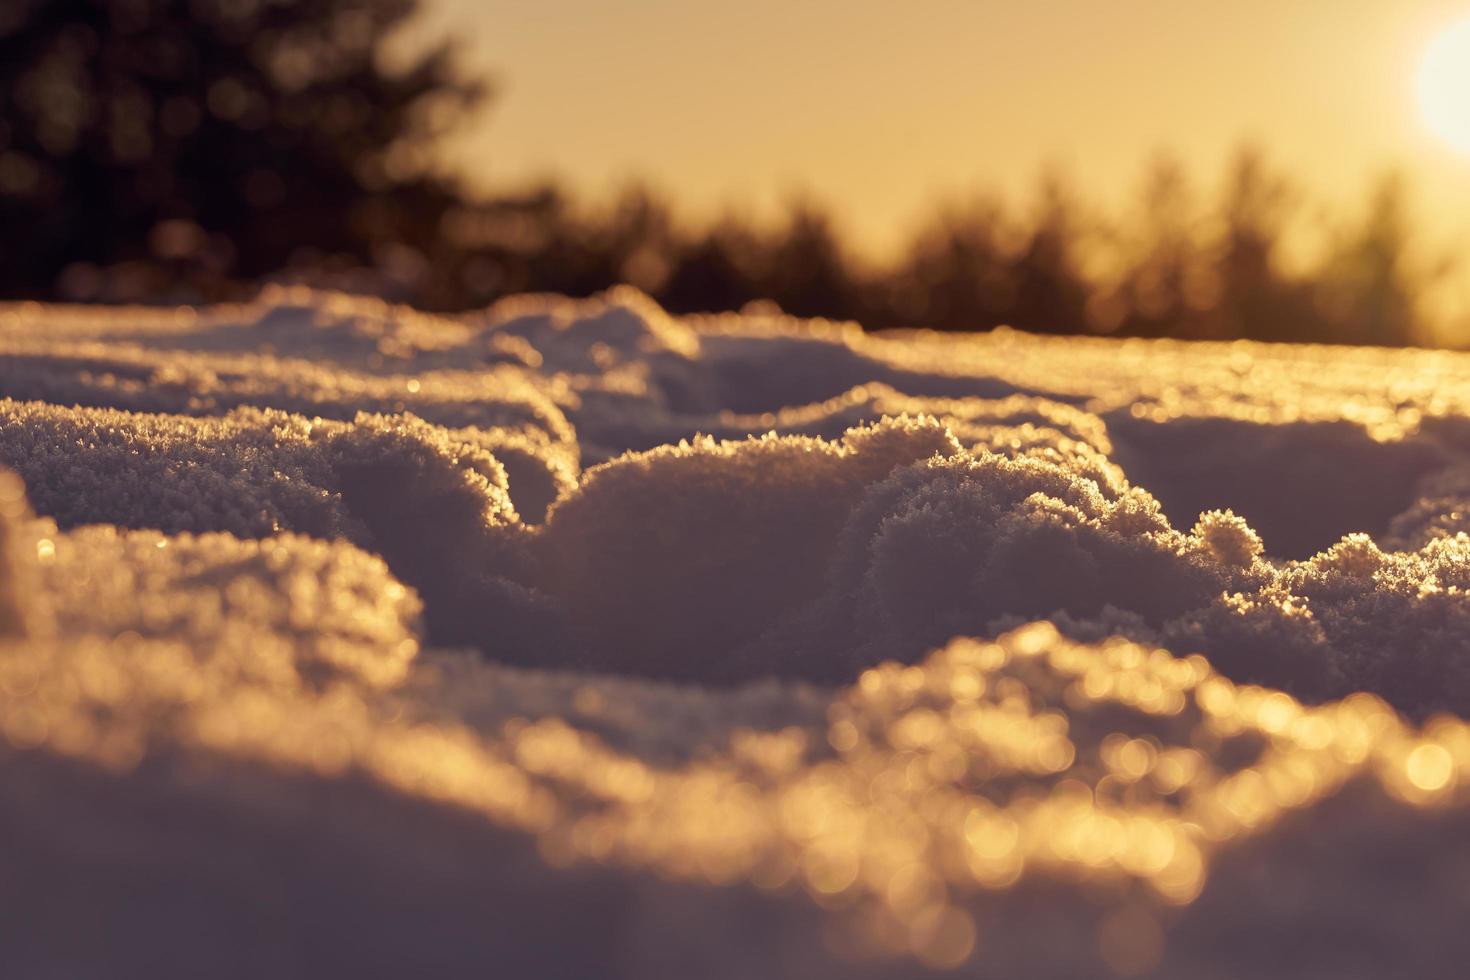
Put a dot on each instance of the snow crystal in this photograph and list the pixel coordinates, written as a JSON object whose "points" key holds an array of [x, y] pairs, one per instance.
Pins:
{"points": [[1227, 538]]}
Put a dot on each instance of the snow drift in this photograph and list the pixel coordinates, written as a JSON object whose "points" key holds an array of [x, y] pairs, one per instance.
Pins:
{"points": [[574, 639]]}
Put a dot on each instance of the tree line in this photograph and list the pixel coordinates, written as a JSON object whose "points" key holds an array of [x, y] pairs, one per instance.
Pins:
{"points": [[166, 151]]}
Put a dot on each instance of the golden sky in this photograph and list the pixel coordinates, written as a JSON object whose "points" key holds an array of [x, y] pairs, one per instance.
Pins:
{"points": [[879, 108]]}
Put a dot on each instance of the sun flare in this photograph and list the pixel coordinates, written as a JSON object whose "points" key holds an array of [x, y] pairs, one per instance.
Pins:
{"points": [[1443, 86]]}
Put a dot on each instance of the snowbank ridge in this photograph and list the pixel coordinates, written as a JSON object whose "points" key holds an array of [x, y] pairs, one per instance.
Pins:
{"points": [[574, 637]]}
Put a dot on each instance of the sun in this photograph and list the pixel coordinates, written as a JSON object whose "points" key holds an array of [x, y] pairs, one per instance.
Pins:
{"points": [[1443, 86]]}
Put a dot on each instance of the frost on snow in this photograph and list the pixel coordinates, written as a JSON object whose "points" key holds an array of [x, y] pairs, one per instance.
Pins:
{"points": [[578, 639]]}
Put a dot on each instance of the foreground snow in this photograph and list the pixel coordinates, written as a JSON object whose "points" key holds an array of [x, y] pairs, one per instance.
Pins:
{"points": [[573, 639]]}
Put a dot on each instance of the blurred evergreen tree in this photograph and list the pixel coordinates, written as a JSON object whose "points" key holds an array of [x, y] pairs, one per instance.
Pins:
{"points": [[808, 271], [219, 136], [1369, 288], [957, 272], [577, 254], [718, 269], [1167, 282], [1258, 302], [1050, 292]]}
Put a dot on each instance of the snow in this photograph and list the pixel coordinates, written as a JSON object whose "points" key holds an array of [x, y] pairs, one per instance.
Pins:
{"points": [[571, 638]]}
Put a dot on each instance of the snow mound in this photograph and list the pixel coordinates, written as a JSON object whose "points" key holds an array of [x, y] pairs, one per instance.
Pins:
{"points": [[580, 639]]}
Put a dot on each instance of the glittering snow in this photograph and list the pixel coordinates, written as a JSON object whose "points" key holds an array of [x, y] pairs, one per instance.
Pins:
{"points": [[573, 639]]}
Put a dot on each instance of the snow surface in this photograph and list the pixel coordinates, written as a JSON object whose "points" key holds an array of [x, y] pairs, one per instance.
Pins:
{"points": [[573, 639]]}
